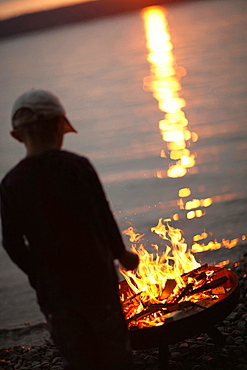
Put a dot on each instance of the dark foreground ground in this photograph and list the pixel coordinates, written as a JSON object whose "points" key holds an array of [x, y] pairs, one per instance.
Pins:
{"points": [[198, 353]]}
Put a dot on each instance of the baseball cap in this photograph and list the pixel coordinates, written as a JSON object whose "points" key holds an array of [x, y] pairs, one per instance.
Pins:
{"points": [[43, 104]]}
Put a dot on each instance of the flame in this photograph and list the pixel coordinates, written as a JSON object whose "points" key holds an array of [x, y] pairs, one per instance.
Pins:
{"points": [[134, 237], [155, 270], [169, 282], [165, 85]]}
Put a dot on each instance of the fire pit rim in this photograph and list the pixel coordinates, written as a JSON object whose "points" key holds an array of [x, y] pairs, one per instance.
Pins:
{"points": [[186, 327]]}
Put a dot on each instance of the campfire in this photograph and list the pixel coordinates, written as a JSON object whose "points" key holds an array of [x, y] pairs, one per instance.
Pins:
{"points": [[166, 285]]}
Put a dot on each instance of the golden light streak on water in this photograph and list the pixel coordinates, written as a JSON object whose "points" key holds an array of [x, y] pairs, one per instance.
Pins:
{"points": [[223, 263], [214, 245], [206, 202], [17, 7], [185, 192], [194, 203], [164, 82], [202, 236]]}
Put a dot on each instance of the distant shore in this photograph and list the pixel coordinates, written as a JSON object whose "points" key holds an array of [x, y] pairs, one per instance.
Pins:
{"points": [[74, 13]]}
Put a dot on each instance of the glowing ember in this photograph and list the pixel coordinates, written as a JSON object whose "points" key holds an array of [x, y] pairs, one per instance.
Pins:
{"points": [[162, 282]]}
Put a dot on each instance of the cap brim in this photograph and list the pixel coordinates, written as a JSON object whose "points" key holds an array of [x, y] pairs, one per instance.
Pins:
{"points": [[68, 127]]}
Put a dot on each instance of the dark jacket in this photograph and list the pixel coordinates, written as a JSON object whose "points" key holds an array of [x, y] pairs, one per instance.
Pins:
{"points": [[58, 228]]}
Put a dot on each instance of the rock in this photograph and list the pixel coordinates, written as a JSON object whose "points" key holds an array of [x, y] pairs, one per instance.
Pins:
{"points": [[152, 361], [241, 367], [229, 339], [241, 360], [184, 345], [233, 316], [35, 363], [207, 359], [45, 364], [56, 359], [236, 333], [238, 340], [240, 307], [241, 325], [237, 353], [175, 355]]}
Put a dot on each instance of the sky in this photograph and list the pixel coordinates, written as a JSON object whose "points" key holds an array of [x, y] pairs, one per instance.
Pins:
{"points": [[12, 8]]}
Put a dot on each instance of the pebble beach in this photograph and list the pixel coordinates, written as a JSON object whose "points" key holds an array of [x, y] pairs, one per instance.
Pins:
{"points": [[32, 349]]}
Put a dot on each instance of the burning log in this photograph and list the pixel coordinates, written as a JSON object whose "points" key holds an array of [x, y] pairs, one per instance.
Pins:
{"points": [[166, 308], [184, 292], [168, 289], [196, 273], [213, 284], [134, 299]]}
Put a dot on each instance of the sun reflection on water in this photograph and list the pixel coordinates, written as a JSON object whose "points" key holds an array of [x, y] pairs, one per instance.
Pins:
{"points": [[164, 83]]}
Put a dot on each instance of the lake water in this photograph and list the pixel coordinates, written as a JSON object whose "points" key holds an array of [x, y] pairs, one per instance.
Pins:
{"points": [[97, 69]]}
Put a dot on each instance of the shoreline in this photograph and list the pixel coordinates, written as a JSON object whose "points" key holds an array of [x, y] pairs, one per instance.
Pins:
{"points": [[27, 347], [73, 14]]}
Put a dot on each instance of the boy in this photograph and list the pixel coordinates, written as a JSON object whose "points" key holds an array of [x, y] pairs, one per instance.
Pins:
{"points": [[58, 228]]}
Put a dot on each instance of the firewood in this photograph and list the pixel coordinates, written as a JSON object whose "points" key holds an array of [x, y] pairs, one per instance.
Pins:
{"points": [[165, 308], [154, 308], [213, 284], [195, 272], [168, 289], [184, 292], [134, 299]]}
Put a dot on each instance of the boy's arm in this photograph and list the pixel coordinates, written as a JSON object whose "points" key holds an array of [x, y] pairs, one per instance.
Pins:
{"points": [[13, 240]]}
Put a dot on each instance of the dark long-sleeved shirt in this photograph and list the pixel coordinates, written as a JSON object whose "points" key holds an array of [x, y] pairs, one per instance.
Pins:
{"points": [[58, 228]]}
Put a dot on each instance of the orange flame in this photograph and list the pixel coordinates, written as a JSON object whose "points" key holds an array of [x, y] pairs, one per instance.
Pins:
{"points": [[154, 270]]}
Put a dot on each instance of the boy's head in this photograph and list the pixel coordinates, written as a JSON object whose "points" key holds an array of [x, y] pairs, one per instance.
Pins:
{"points": [[38, 115], [38, 107]]}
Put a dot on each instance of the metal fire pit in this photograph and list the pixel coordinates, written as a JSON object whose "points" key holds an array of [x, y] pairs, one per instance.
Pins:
{"points": [[190, 323]]}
